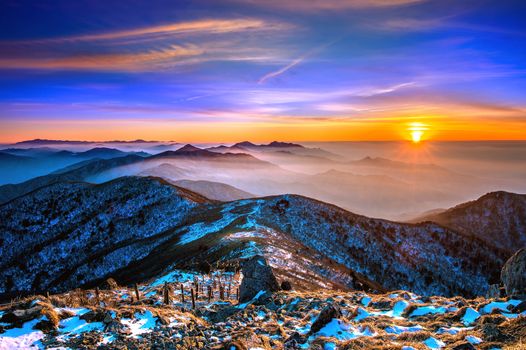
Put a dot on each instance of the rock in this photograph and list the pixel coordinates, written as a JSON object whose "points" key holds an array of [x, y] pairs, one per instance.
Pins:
{"points": [[286, 285], [109, 284], [517, 309], [513, 274], [294, 341], [21, 315], [463, 346], [263, 299], [116, 327], [493, 292], [93, 316], [45, 326], [491, 332], [107, 318], [257, 276], [326, 315], [237, 345]]}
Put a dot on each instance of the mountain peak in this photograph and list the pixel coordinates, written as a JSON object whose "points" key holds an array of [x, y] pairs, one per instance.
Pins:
{"points": [[244, 144], [188, 148], [284, 144]]}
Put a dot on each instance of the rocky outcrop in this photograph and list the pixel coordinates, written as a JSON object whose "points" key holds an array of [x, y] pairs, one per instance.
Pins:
{"points": [[513, 274], [326, 315], [257, 277]]}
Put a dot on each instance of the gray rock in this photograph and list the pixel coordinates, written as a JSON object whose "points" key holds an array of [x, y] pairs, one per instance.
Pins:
{"points": [[513, 274], [257, 276], [326, 315]]}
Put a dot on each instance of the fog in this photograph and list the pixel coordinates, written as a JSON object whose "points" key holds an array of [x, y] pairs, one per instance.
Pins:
{"points": [[393, 180]]}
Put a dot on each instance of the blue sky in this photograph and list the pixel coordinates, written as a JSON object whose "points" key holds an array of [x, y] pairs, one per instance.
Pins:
{"points": [[326, 70]]}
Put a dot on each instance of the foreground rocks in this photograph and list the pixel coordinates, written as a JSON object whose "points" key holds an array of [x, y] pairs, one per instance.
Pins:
{"points": [[320, 319], [257, 277], [513, 274]]}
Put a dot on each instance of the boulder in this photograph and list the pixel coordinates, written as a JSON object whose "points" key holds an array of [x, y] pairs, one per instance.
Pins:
{"points": [[22, 315], [326, 315], [513, 274], [286, 285], [257, 277]]}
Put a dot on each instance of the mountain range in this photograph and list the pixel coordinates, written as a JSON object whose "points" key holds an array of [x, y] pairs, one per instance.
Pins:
{"points": [[73, 234]]}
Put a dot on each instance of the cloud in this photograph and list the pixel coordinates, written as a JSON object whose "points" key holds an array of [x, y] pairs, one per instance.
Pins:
{"points": [[148, 48], [330, 5], [121, 62], [203, 26]]}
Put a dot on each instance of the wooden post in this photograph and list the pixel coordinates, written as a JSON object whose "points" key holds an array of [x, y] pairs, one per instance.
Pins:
{"points": [[237, 294], [182, 293], [221, 292], [97, 295], [209, 294], [137, 295], [196, 290], [166, 294], [193, 299]]}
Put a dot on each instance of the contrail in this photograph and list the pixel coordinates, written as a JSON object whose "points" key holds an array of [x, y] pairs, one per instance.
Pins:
{"points": [[294, 63]]}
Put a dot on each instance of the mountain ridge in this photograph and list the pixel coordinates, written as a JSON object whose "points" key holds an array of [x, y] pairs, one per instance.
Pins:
{"points": [[147, 220]]}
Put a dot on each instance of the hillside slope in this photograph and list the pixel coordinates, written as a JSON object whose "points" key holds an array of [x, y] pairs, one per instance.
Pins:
{"points": [[498, 218], [132, 228]]}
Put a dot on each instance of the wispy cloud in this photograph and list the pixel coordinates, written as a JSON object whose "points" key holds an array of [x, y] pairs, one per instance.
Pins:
{"points": [[202, 26], [120, 62], [148, 48]]}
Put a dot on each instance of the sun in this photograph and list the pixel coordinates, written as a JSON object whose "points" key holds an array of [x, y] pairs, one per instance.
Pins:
{"points": [[417, 130], [416, 136]]}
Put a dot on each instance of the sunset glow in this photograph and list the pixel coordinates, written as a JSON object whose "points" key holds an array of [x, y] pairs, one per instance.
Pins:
{"points": [[235, 70]]}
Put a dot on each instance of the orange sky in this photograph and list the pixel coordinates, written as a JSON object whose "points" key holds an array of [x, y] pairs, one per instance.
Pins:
{"points": [[436, 128]]}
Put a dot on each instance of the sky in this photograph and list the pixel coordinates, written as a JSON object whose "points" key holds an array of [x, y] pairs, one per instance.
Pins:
{"points": [[233, 70]]}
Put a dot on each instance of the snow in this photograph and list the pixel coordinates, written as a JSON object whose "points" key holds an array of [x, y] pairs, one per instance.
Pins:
{"points": [[245, 234], [473, 340], [342, 330], [366, 300], [401, 329], [452, 330], [256, 297], [329, 346], [362, 314], [76, 326], [434, 343], [398, 308], [502, 306], [174, 276], [141, 324], [470, 316], [430, 309], [21, 338]]}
